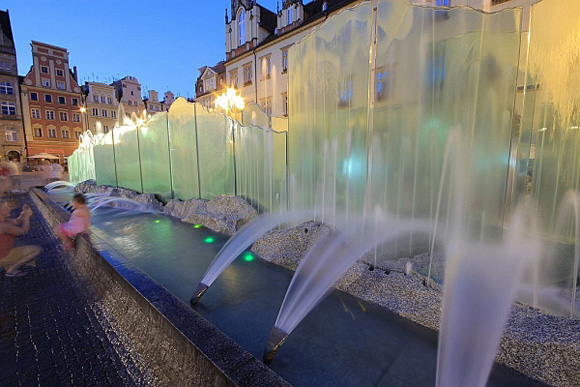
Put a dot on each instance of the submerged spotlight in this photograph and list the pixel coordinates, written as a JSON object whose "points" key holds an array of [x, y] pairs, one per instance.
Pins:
{"points": [[197, 226], [248, 256], [209, 239], [157, 221]]}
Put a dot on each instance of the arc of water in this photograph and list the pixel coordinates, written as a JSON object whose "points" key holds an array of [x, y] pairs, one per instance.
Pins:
{"points": [[480, 285], [322, 266], [247, 235], [59, 183], [112, 199]]}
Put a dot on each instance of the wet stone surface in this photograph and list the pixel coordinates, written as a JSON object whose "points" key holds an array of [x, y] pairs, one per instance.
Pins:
{"points": [[50, 333]]}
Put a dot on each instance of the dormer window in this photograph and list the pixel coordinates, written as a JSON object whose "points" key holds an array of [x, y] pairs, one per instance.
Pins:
{"points": [[242, 27], [289, 15]]}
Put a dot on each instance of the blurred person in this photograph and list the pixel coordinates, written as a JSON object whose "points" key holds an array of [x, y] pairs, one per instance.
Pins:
{"points": [[13, 258], [14, 168], [44, 167], [5, 184], [78, 223], [55, 171]]}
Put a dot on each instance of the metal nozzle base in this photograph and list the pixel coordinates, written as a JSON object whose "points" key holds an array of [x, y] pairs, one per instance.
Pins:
{"points": [[199, 292], [275, 341]]}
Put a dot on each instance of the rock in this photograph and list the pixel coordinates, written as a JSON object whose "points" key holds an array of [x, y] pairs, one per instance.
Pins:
{"points": [[287, 247], [86, 186], [224, 213]]}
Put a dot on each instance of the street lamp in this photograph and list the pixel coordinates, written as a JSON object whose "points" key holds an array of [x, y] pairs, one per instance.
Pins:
{"points": [[230, 101]]}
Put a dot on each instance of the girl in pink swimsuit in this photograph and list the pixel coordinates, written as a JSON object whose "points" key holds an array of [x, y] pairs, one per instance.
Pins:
{"points": [[78, 223]]}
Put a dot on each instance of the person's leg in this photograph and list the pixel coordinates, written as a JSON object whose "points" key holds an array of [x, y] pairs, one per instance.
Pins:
{"points": [[63, 236], [20, 256]]}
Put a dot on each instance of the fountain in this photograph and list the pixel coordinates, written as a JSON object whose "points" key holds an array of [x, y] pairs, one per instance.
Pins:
{"points": [[375, 95]]}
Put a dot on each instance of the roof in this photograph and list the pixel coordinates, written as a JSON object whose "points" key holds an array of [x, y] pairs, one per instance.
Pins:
{"points": [[268, 19], [5, 25]]}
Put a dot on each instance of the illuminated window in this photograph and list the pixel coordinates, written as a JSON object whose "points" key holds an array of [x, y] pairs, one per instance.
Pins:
{"points": [[248, 74], [242, 27], [11, 134], [35, 113], [65, 133]]}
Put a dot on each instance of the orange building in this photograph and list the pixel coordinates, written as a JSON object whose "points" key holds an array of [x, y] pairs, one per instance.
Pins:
{"points": [[51, 103]]}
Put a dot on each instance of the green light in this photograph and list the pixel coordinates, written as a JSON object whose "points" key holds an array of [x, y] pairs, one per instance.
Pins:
{"points": [[248, 257], [197, 226], [157, 221], [209, 239]]}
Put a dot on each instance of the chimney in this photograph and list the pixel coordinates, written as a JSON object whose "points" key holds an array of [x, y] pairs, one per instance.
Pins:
{"points": [[75, 74]]}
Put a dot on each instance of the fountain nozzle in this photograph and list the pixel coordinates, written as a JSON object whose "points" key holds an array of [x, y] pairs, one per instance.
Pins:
{"points": [[199, 292], [275, 341]]}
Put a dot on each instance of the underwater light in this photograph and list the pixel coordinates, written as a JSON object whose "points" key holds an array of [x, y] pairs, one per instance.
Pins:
{"points": [[248, 257], [157, 221], [197, 226], [209, 239]]}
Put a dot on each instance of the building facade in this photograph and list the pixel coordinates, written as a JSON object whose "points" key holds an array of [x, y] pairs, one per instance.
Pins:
{"points": [[101, 106], [257, 44], [51, 103], [12, 139], [128, 92], [154, 105], [210, 83]]}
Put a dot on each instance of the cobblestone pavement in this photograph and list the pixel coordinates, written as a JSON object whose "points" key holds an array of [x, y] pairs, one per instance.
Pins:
{"points": [[50, 333]]}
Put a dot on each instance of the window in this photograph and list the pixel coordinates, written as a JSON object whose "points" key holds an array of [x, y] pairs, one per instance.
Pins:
{"points": [[102, 99], [104, 112], [59, 72], [6, 88], [266, 105], [436, 70], [132, 92], [62, 100], [49, 115], [95, 112], [51, 133], [60, 85], [234, 78], [95, 98], [290, 15], [74, 101], [266, 67], [445, 3], [247, 74], [48, 98], [109, 100], [242, 27], [384, 80], [44, 69], [63, 116], [113, 114], [76, 117], [37, 132], [284, 60], [8, 108], [285, 104], [11, 134], [34, 96], [35, 113], [105, 129], [65, 133], [77, 134], [125, 86], [345, 92], [45, 82], [5, 66], [324, 6]]}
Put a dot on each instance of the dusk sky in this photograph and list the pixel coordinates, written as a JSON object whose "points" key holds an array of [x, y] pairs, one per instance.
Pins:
{"points": [[162, 43]]}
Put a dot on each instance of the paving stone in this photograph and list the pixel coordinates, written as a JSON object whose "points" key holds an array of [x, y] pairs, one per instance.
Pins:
{"points": [[50, 334]]}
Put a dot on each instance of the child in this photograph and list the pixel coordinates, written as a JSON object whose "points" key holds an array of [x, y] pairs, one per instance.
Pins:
{"points": [[78, 223]]}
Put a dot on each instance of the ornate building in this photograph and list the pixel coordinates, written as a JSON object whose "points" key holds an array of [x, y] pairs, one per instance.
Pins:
{"points": [[51, 102], [153, 105], [101, 106], [257, 44], [11, 126], [129, 94], [210, 83]]}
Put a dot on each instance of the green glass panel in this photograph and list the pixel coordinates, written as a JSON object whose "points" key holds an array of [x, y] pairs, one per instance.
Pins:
{"points": [[215, 147], [154, 146], [183, 145], [127, 157], [105, 161]]}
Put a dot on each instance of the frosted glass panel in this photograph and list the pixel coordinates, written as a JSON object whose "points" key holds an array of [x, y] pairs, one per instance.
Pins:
{"points": [[127, 158], [261, 167], [154, 145], [363, 136], [104, 161], [215, 147], [183, 142]]}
